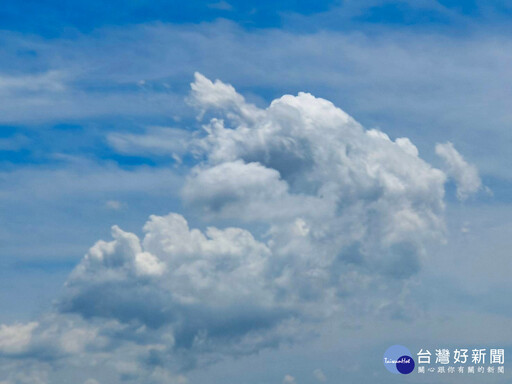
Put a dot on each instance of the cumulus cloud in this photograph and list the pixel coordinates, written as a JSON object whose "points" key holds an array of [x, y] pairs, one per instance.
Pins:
{"points": [[465, 175], [304, 159], [323, 214], [208, 95], [14, 338]]}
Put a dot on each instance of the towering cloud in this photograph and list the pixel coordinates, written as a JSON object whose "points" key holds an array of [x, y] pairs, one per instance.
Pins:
{"points": [[322, 213]]}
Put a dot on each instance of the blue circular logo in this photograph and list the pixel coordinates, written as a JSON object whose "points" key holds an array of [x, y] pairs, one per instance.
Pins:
{"points": [[397, 359], [405, 365]]}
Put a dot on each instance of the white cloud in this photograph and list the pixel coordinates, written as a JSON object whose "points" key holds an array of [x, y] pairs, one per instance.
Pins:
{"points": [[393, 91], [289, 379], [81, 177], [178, 270], [156, 140], [465, 175], [52, 81], [327, 214], [304, 158], [15, 338], [75, 340], [231, 187], [207, 95]]}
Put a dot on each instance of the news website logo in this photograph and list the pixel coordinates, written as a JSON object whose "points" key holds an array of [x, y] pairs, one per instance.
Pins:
{"points": [[398, 360]]}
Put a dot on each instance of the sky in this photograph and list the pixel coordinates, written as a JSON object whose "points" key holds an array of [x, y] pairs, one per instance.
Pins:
{"points": [[252, 192]]}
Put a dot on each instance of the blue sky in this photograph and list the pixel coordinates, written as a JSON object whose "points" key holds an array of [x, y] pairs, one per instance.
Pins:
{"points": [[95, 124], [52, 18]]}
